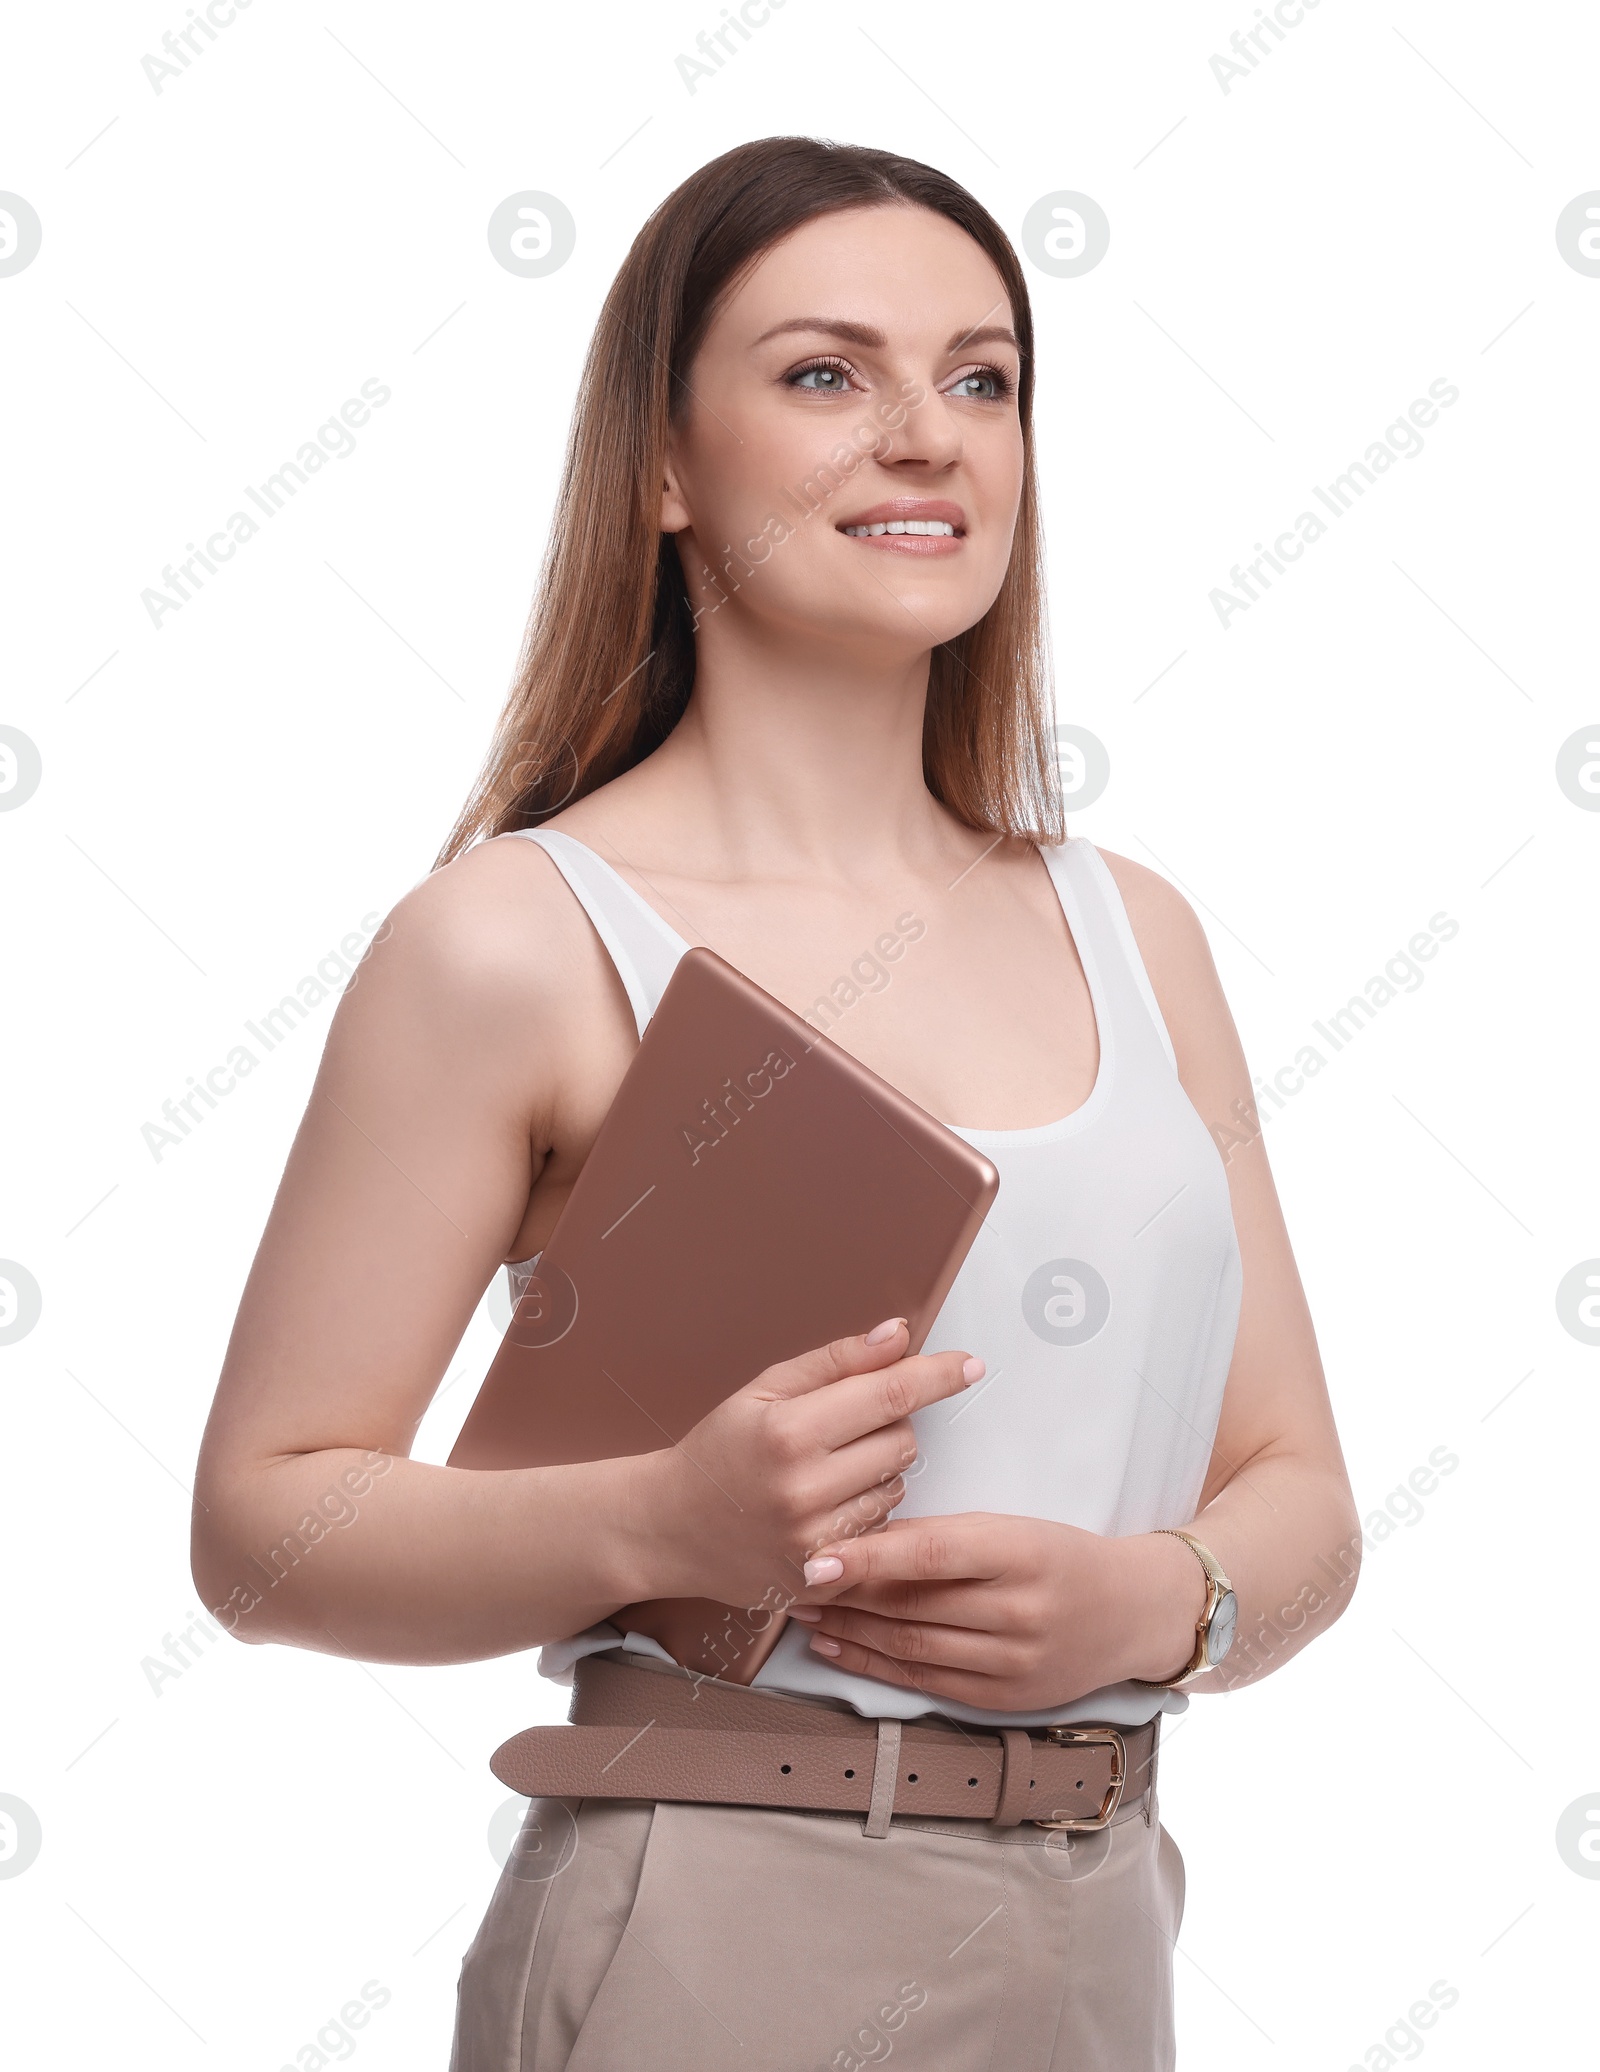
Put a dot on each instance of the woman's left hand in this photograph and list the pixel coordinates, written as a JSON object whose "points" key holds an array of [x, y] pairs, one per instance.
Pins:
{"points": [[1013, 1614]]}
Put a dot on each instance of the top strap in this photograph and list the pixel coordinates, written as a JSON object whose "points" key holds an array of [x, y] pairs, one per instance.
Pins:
{"points": [[640, 944], [1105, 935]]}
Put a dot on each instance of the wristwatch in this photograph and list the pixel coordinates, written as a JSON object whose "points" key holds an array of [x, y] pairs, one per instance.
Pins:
{"points": [[1217, 1624]]}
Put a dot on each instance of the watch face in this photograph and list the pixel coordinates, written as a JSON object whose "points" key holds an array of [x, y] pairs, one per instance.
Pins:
{"points": [[1220, 1632]]}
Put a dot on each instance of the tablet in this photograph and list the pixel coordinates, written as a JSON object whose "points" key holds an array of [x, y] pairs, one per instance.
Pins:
{"points": [[754, 1191]]}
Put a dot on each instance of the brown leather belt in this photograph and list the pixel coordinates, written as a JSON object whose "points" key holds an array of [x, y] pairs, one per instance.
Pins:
{"points": [[675, 1735]]}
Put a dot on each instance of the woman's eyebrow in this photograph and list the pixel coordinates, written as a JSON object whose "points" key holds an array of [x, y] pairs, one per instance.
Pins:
{"points": [[868, 334], [989, 334], [835, 327]]}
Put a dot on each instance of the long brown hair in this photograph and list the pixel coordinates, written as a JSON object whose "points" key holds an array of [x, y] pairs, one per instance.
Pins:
{"points": [[607, 665]]}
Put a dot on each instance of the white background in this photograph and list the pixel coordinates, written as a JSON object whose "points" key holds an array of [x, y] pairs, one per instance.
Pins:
{"points": [[1292, 262]]}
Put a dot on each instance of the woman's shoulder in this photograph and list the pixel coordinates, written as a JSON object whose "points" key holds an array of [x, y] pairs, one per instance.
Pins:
{"points": [[492, 932], [1154, 904]]}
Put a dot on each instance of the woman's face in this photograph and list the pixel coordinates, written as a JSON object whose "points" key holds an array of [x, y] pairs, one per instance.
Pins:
{"points": [[863, 375]]}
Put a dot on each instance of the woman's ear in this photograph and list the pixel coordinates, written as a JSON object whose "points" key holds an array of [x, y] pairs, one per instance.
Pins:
{"points": [[674, 510]]}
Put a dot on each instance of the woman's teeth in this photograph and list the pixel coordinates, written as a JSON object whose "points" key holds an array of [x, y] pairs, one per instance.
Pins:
{"points": [[926, 526]]}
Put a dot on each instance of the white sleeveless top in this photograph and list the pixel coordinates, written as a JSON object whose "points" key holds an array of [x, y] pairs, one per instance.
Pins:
{"points": [[1102, 1291]]}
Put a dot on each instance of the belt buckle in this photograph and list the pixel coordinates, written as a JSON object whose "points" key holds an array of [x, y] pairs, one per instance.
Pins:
{"points": [[1092, 1737]]}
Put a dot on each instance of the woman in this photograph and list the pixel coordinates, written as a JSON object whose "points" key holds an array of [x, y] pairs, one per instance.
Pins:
{"points": [[785, 693]]}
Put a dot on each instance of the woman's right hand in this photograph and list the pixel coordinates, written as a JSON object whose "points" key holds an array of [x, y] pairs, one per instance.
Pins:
{"points": [[814, 1449]]}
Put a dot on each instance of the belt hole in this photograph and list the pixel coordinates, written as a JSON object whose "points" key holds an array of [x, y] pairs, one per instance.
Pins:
{"points": [[849, 1773], [972, 1780], [785, 1768], [911, 1777]]}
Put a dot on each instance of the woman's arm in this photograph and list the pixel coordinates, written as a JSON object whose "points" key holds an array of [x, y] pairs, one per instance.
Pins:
{"points": [[1276, 1509], [433, 1113], [1020, 1613], [477, 1049]]}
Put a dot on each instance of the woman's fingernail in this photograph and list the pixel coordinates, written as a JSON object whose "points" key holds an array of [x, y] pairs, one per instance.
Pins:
{"points": [[823, 1645], [880, 1334], [808, 1612], [826, 1568], [973, 1369]]}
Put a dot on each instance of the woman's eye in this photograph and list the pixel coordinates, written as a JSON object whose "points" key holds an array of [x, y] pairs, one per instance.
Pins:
{"points": [[826, 381], [988, 384]]}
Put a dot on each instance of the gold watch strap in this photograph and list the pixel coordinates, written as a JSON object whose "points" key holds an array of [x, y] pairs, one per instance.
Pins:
{"points": [[1208, 1560], [1217, 1585]]}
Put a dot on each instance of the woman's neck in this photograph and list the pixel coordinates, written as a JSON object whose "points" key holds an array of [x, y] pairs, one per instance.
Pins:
{"points": [[794, 762]]}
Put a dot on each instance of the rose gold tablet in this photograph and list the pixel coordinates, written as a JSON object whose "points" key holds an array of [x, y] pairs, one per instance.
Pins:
{"points": [[754, 1191]]}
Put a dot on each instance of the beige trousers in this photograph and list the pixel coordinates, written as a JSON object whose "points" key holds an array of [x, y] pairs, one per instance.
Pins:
{"points": [[631, 1936]]}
